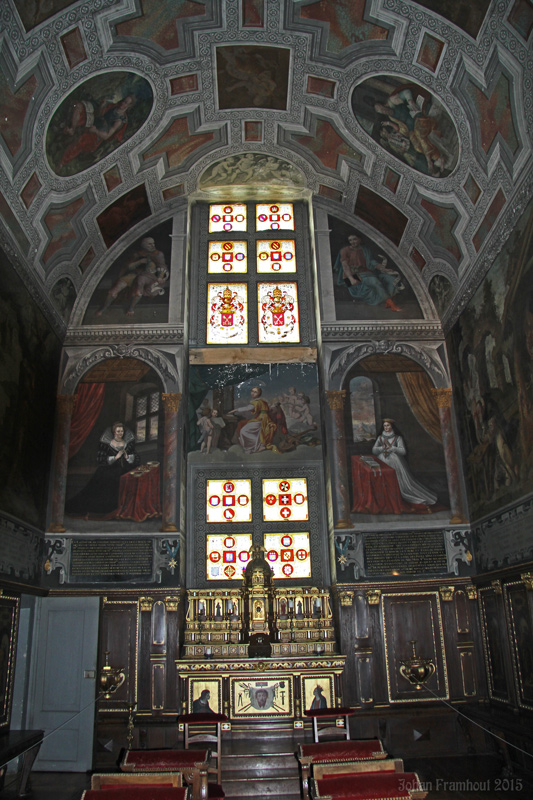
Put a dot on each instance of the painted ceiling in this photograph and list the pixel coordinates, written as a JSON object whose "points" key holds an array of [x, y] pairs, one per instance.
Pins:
{"points": [[414, 117]]}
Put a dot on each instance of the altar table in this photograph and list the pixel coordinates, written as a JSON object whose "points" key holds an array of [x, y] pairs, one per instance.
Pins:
{"points": [[376, 489], [139, 493]]}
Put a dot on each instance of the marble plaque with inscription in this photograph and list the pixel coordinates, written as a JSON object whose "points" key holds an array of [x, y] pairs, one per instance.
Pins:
{"points": [[405, 553], [111, 560]]}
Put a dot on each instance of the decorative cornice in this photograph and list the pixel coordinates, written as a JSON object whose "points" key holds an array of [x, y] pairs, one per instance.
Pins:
{"points": [[172, 334], [527, 578], [362, 331]]}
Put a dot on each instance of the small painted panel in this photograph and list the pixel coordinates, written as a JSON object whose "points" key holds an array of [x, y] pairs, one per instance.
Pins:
{"points": [[318, 692], [252, 77], [205, 696], [285, 500], [227, 257], [430, 52], [263, 696], [227, 313], [227, 556], [277, 311], [228, 501], [227, 218], [95, 119], [274, 216], [277, 255], [288, 555], [408, 122]]}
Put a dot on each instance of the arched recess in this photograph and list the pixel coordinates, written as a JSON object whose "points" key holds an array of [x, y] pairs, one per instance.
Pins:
{"points": [[411, 386], [136, 385]]}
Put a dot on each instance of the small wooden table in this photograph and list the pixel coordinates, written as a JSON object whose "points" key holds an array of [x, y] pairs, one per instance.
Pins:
{"points": [[329, 713], [19, 743]]}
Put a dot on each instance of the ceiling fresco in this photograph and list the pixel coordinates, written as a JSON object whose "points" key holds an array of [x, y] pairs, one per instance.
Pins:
{"points": [[411, 116]]}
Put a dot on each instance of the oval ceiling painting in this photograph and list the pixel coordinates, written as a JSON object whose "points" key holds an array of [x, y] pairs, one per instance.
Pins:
{"points": [[95, 119], [408, 122]]}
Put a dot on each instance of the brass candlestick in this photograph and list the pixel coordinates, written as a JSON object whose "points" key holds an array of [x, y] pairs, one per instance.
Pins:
{"points": [[111, 678]]}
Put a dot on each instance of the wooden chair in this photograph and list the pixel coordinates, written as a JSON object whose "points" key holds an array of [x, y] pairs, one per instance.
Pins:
{"points": [[318, 714]]}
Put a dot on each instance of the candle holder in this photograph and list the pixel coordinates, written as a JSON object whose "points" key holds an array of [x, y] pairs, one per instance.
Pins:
{"points": [[417, 670], [111, 678]]}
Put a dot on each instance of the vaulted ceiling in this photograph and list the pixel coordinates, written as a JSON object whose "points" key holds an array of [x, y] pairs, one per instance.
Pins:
{"points": [[414, 117]]}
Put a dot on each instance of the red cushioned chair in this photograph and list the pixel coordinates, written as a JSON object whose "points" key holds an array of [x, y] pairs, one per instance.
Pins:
{"points": [[193, 764], [336, 752], [369, 786], [110, 779]]}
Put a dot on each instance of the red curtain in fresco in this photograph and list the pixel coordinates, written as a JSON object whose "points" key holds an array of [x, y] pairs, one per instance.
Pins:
{"points": [[90, 399]]}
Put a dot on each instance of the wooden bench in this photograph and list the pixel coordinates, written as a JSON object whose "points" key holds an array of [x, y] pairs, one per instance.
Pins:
{"points": [[192, 764], [110, 779], [137, 792], [384, 765], [369, 786], [318, 714], [309, 755]]}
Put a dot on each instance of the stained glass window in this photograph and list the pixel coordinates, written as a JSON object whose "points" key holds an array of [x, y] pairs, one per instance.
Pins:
{"points": [[288, 554], [274, 216], [227, 313], [228, 501], [227, 556], [276, 255], [277, 311], [227, 257], [228, 217], [285, 500]]}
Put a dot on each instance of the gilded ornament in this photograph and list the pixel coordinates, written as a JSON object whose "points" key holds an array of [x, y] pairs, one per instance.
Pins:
{"points": [[336, 399], [443, 397], [373, 596], [446, 593], [346, 597], [471, 592], [171, 401], [527, 578], [146, 603]]}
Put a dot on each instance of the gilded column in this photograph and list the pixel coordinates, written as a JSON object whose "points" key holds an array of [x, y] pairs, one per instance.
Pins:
{"points": [[340, 475], [171, 404], [64, 409], [457, 505]]}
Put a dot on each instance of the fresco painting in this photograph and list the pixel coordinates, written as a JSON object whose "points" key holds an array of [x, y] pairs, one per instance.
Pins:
{"points": [[136, 287], [95, 119], [492, 344], [14, 106], [346, 24], [123, 214], [115, 450], [254, 411], [408, 122], [252, 77], [29, 363], [441, 291], [367, 284], [64, 295], [156, 21], [251, 168], [394, 442], [33, 12]]}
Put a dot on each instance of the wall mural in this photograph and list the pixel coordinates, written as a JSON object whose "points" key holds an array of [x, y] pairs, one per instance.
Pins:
{"points": [[251, 168], [136, 286], [441, 291], [393, 440], [29, 362], [492, 348], [250, 76], [408, 122], [257, 410], [367, 284], [115, 450], [96, 118]]}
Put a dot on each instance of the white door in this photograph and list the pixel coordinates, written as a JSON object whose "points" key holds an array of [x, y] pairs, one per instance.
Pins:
{"points": [[64, 682]]}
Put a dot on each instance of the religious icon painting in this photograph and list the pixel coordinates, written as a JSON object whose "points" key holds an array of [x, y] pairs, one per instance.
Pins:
{"points": [[227, 218], [274, 216], [285, 500], [262, 697], [229, 501], [288, 555], [227, 257], [278, 312], [227, 313], [205, 696], [318, 692], [276, 255], [227, 556]]}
